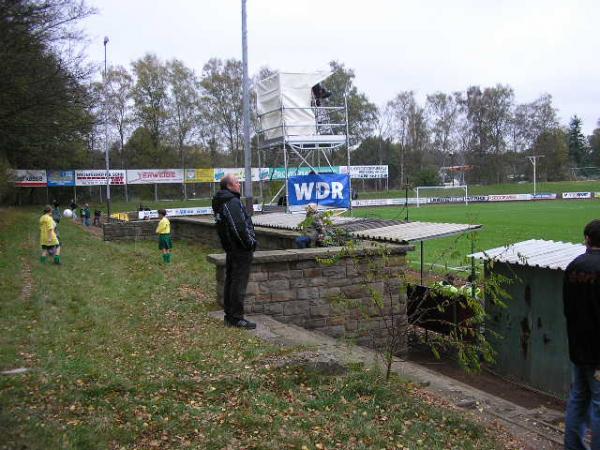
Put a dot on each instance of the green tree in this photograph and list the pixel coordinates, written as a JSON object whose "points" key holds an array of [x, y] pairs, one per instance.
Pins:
{"points": [[594, 142], [362, 114], [552, 144], [578, 146], [43, 95]]}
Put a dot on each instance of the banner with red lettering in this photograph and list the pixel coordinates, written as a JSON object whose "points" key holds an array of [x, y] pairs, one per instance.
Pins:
{"points": [[152, 176]]}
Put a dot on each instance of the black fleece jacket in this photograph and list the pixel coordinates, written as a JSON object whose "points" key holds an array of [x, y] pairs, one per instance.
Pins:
{"points": [[234, 225], [581, 298]]}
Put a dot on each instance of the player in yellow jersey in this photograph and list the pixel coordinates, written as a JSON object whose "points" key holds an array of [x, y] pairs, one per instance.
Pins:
{"points": [[48, 239], [165, 243]]}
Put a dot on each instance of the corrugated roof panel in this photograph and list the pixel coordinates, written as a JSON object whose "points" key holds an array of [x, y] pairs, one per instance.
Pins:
{"points": [[377, 229], [291, 221], [535, 253], [415, 231]]}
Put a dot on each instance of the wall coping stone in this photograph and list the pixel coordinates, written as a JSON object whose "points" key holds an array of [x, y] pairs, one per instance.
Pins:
{"points": [[264, 230], [267, 256]]}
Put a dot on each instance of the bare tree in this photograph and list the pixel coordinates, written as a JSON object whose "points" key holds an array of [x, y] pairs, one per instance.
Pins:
{"points": [[150, 95], [119, 86], [222, 101], [184, 106]]}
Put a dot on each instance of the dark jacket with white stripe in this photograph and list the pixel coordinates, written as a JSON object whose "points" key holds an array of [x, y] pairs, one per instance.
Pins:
{"points": [[234, 225]]}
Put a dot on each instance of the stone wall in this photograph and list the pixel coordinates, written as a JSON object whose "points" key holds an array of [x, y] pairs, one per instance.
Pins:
{"points": [[203, 230], [336, 298], [129, 231], [198, 230]]}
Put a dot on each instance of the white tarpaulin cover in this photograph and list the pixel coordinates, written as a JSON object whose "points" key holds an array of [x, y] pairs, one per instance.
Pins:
{"points": [[278, 97]]}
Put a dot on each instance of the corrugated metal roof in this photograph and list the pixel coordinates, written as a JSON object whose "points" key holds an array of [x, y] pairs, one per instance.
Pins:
{"points": [[415, 231], [372, 229], [535, 253], [291, 221]]}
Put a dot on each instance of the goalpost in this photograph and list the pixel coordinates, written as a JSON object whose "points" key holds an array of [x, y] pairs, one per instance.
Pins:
{"points": [[442, 194]]}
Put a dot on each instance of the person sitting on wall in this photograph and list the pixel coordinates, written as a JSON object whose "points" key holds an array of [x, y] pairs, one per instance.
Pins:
{"points": [[313, 229]]}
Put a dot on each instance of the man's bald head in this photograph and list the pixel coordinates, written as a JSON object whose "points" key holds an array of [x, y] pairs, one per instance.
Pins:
{"points": [[231, 183]]}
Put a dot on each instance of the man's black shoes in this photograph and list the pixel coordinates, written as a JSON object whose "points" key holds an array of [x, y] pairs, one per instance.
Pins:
{"points": [[241, 323]]}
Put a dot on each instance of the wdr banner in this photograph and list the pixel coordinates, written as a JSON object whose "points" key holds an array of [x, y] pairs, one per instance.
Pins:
{"points": [[326, 190]]}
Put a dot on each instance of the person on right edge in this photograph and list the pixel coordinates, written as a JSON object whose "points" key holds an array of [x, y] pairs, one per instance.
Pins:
{"points": [[581, 298], [238, 239]]}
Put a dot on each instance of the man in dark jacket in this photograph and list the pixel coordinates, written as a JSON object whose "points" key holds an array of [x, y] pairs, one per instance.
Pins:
{"points": [[238, 239], [581, 297]]}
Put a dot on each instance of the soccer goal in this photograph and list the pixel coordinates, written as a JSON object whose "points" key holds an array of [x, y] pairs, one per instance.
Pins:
{"points": [[442, 194]]}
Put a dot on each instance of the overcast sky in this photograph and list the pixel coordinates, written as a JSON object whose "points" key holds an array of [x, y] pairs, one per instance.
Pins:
{"points": [[535, 46]]}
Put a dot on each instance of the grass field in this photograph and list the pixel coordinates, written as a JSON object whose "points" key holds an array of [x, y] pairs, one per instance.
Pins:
{"points": [[508, 188], [503, 223], [119, 205], [122, 354]]}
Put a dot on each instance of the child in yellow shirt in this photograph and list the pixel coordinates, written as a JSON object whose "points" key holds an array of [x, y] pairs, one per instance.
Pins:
{"points": [[165, 243], [48, 239]]}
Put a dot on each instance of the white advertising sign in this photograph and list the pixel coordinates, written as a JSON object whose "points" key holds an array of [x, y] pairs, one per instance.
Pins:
{"points": [[30, 178], [178, 212], [509, 197], [154, 176], [98, 177], [366, 172], [575, 195]]}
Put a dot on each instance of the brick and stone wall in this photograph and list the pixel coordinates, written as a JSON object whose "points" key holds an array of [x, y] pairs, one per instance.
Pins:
{"points": [[199, 230], [336, 298]]}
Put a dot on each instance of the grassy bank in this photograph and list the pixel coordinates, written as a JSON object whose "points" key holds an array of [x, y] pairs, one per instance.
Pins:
{"points": [[122, 354]]}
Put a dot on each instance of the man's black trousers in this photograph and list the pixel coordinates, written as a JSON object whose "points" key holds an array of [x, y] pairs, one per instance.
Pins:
{"points": [[237, 272]]}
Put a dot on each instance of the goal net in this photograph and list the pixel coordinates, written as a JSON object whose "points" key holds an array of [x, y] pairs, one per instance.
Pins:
{"points": [[427, 195]]}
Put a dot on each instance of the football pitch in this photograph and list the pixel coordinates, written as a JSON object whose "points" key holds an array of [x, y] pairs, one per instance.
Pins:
{"points": [[503, 223]]}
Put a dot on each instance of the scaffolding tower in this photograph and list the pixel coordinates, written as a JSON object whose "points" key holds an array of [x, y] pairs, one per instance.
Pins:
{"points": [[293, 119]]}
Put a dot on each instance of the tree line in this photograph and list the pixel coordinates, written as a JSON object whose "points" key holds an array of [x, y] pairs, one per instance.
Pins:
{"points": [[162, 114]]}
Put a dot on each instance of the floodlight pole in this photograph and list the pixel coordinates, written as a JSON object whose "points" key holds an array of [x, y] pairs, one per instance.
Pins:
{"points": [[348, 149], [533, 160], [106, 156], [246, 113]]}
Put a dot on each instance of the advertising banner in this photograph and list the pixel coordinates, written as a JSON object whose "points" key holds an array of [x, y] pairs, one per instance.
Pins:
{"points": [[199, 175], [98, 177], [576, 195], [509, 197], [278, 173], [61, 178], [544, 196], [477, 198], [366, 172], [154, 176], [174, 212], [30, 178], [220, 172], [331, 190], [385, 202], [260, 174]]}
